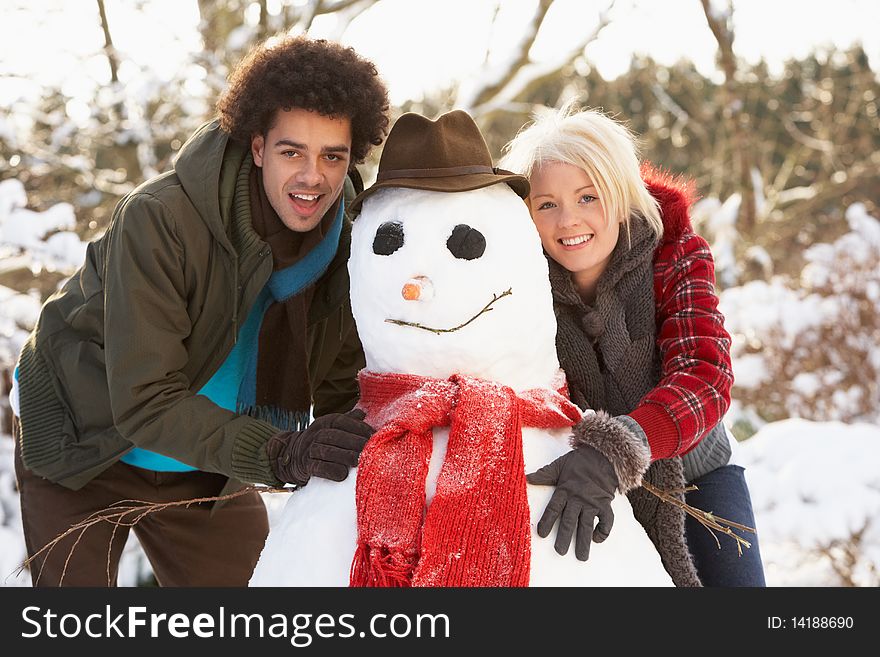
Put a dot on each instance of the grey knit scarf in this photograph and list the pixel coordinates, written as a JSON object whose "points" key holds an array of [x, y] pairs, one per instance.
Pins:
{"points": [[608, 352], [607, 349]]}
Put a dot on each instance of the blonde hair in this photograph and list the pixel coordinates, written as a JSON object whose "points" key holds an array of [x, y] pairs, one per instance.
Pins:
{"points": [[603, 147]]}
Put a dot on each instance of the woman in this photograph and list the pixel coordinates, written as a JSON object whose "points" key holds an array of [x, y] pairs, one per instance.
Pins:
{"points": [[639, 337]]}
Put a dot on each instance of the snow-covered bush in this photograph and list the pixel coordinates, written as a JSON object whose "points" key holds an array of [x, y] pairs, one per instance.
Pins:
{"points": [[811, 348]]}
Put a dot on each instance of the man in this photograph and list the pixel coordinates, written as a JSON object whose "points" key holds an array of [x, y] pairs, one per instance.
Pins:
{"points": [[185, 355]]}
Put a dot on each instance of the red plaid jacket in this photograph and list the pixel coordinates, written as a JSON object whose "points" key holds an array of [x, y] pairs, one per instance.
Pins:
{"points": [[696, 375]]}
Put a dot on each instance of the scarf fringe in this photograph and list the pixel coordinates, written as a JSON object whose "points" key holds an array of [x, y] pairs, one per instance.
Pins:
{"points": [[381, 567], [280, 418]]}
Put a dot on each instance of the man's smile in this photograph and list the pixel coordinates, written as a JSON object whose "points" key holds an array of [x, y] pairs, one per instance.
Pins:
{"points": [[303, 203]]}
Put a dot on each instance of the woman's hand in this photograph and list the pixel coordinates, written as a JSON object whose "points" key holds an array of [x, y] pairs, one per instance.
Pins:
{"points": [[585, 485]]}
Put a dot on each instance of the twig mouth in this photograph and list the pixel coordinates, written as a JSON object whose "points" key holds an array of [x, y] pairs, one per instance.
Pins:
{"points": [[438, 331]]}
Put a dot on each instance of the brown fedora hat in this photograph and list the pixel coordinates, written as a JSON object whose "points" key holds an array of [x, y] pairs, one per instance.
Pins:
{"points": [[446, 155]]}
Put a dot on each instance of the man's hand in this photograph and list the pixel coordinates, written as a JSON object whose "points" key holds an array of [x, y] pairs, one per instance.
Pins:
{"points": [[327, 448], [585, 485]]}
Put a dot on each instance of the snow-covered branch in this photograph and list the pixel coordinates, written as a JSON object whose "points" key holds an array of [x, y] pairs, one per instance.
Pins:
{"points": [[506, 86], [495, 78]]}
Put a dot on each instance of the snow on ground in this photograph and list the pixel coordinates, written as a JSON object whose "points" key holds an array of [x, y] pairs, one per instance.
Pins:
{"points": [[12, 551], [816, 495]]}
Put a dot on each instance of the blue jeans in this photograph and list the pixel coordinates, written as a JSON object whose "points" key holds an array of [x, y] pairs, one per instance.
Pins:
{"points": [[724, 492]]}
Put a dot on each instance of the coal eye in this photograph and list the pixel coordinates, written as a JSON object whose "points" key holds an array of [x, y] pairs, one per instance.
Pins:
{"points": [[466, 243], [389, 238]]}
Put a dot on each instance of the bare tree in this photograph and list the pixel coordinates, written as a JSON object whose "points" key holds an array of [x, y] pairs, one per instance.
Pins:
{"points": [[345, 11], [736, 119], [507, 87], [108, 44], [493, 83], [221, 19], [501, 97]]}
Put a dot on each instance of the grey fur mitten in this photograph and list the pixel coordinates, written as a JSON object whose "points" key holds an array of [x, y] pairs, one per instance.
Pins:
{"points": [[619, 442]]}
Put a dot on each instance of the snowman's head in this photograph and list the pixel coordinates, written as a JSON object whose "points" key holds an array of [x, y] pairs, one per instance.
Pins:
{"points": [[449, 283]]}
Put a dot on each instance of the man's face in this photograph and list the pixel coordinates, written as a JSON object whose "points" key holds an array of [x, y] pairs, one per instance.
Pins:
{"points": [[304, 157]]}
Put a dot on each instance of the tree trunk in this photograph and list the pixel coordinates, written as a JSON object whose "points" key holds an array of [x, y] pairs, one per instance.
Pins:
{"points": [[108, 44], [736, 118]]}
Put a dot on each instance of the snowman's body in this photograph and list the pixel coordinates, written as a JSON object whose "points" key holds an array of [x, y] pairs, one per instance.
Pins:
{"points": [[414, 239]]}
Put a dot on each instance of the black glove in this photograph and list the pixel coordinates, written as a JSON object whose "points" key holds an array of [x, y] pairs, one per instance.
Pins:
{"points": [[585, 485], [327, 448]]}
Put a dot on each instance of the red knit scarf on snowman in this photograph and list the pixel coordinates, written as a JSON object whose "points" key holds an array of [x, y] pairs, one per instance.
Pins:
{"points": [[476, 529]]}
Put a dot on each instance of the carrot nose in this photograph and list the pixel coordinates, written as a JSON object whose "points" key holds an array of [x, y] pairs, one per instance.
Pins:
{"points": [[417, 289]]}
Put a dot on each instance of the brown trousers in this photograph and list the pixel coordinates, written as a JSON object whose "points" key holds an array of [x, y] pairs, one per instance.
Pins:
{"points": [[186, 546]]}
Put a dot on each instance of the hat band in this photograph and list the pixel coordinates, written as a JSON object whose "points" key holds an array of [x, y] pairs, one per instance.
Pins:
{"points": [[433, 173]]}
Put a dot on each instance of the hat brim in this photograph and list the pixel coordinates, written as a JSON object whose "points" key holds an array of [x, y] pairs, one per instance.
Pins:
{"points": [[466, 183]]}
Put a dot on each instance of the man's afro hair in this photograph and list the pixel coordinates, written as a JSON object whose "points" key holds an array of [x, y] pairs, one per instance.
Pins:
{"points": [[316, 75]]}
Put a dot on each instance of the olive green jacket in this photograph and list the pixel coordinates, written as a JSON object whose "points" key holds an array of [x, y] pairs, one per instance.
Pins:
{"points": [[118, 353]]}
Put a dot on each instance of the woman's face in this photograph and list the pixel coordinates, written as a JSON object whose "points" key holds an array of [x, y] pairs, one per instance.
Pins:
{"points": [[565, 207]]}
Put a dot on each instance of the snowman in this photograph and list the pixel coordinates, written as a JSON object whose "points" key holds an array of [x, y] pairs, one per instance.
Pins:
{"points": [[451, 296]]}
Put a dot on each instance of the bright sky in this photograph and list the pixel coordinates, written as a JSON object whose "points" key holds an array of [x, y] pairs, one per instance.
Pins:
{"points": [[419, 45]]}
